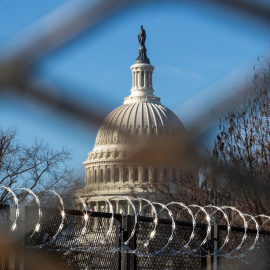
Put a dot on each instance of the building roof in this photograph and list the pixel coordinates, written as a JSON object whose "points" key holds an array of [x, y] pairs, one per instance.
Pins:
{"points": [[141, 119]]}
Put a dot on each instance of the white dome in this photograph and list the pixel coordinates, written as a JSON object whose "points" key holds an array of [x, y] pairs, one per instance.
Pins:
{"points": [[140, 120], [117, 164]]}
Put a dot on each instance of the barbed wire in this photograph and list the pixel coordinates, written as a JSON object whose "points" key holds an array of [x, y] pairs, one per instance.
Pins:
{"points": [[199, 215], [15, 74]]}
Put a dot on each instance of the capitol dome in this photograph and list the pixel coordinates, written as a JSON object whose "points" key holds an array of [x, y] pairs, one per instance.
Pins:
{"points": [[142, 118], [146, 120]]}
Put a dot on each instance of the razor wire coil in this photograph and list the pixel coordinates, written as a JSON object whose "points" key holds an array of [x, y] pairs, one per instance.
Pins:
{"points": [[156, 211]]}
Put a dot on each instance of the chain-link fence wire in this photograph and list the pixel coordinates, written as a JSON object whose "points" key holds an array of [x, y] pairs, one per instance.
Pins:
{"points": [[77, 252], [16, 73], [85, 255], [4, 223], [257, 258], [15, 70], [168, 260]]}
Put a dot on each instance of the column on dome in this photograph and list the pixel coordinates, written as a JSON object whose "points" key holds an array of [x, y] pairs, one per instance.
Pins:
{"points": [[98, 174], [121, 174], [89, 176], [130, 174], [86, 176], [92, 175], [151, 174], [135, 78], [146, 79], [95, 178], [139, 78], [140, 174]]}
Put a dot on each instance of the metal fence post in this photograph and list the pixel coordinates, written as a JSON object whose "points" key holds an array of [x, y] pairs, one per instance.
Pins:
{"points": [[131, 258], [5, 208], [118, 240], [212, 262], [216, 246]]}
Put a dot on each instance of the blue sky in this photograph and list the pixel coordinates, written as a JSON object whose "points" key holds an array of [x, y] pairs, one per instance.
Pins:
{"points": [[200, 54]]}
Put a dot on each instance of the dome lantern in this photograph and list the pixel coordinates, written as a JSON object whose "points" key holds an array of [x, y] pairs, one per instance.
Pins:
{"points": [[113, 166], [142, 84]]}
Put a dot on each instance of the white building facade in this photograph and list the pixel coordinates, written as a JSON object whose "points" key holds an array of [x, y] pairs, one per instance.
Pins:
{"points": [[110, 169]]}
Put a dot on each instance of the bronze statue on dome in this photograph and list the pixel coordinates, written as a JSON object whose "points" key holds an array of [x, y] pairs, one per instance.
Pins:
{"points": [[142, 36]]}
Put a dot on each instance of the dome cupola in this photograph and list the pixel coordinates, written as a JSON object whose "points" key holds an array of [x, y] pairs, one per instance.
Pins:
{"points": [[140, 120]]}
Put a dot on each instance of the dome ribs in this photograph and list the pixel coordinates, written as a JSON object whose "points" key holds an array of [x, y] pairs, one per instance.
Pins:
{"points": [[140, 117], [159, 129], [165, 115], [109, 125], [148, 128], [153, 117], [120, 122], [134, 117], [129, 119]]}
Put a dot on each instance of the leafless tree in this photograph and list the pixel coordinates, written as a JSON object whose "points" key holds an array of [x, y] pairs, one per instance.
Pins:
{"points": [[37, 166], [242, 148]]}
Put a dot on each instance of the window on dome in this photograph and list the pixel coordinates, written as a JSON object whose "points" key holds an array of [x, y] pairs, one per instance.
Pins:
{"points": [[95, 176], [101, 176], [89, 177], [142, 79], [116, 176], [108, 175], [145, 175], [136, 175], [126, 175], [165, 174], [155, 174], [173, 175]]}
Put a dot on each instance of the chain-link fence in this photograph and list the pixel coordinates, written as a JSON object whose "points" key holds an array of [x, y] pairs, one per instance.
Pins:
{"points": [[16, 74], [4, 223], [104, 250], [85, 256]]}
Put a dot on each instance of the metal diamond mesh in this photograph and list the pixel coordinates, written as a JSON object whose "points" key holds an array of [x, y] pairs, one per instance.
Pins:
{"points": [[258, 258], [4, 224], [167, 260], [70, 237]]}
